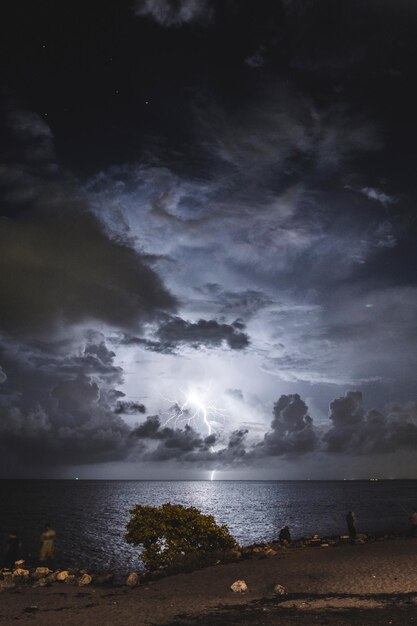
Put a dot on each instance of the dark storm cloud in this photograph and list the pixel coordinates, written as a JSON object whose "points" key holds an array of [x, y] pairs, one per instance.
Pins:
{"points": [[291, 431], [59, 266], [176, 332], [202, 333], [58, 408], [173, 443], [129, 408], [185, 445], [60, 273], [174, 12], [63, 269], [149, 429], [355, 431]]}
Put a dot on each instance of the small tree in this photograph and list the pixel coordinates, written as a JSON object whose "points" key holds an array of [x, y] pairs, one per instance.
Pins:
{"points": [[173, 535]]}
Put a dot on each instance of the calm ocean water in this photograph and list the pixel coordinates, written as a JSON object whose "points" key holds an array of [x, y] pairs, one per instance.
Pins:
{"points": [[90, 516]]}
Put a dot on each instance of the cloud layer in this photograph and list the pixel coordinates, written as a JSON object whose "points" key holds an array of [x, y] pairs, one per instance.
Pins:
{"points": [[173, 12]]}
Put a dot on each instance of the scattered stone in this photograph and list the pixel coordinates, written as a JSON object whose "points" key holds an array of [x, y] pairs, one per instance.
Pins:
{"points": [[30, 609], [279, 590], [19, 564], [41, 572], [132, 579], [70, 579], [239, 586], [20, 572], [41, 582], [62, 576], [85, 579], [7, 582], [359, 542], [271, 552]]}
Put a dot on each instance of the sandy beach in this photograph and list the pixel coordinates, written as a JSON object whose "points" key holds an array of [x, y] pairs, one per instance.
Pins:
{"points": [[373, 583]]}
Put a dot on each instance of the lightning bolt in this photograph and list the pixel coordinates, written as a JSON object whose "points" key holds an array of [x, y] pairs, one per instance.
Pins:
{"points": [[194, 409]]}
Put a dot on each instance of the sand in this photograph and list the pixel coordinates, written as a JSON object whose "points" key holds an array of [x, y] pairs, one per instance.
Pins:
{"points": [[368, 584]]}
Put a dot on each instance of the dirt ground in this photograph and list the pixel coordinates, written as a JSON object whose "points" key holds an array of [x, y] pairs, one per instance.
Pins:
{"points": [[370, 584]]}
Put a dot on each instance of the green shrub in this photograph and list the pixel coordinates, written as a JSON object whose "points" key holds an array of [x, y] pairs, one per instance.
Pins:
{"points": [[173, 535]]}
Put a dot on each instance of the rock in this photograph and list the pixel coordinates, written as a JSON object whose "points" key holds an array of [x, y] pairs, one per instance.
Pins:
{"points": [[361, 536], [70, 579], [20, 572], [239, 586], [62, 576], [72, 571], [51, 578], [279, 590], [7, 582], [19, 564], [41, 582], [132, 579], [41, 572], [271, 552], [359, 542], [85, 579]]}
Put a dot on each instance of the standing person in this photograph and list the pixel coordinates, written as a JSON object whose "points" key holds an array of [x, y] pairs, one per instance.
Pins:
{"points": [[47, 544], [351, 522], [413, 522], [11, 552], [284, 535]]}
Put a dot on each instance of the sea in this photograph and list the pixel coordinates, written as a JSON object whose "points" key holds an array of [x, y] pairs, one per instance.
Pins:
{"points": [[90, 516]]}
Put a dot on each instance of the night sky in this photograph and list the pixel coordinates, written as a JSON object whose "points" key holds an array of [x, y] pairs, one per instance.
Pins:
{"points": [[208, 254]]}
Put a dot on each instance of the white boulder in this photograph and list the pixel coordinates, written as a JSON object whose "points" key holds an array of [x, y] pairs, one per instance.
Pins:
{"points": [[239, 586]]}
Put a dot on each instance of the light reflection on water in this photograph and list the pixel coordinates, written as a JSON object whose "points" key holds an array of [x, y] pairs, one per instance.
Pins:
{"points": [[90, 516]]}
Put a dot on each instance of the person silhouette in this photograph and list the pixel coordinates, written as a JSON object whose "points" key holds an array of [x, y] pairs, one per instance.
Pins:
{"points": [[284, 535], [351, 523], [11, 552], [47, 550]]}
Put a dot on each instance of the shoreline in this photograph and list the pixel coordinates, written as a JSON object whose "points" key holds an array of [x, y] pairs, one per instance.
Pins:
{"points": [[250, 551], [348, 581]]}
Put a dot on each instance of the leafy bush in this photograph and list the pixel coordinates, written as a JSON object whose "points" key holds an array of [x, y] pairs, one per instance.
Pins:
{"points": [[173, 535]]}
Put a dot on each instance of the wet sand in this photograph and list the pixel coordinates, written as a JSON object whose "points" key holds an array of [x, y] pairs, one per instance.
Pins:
{"points": [[374, 583]]}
